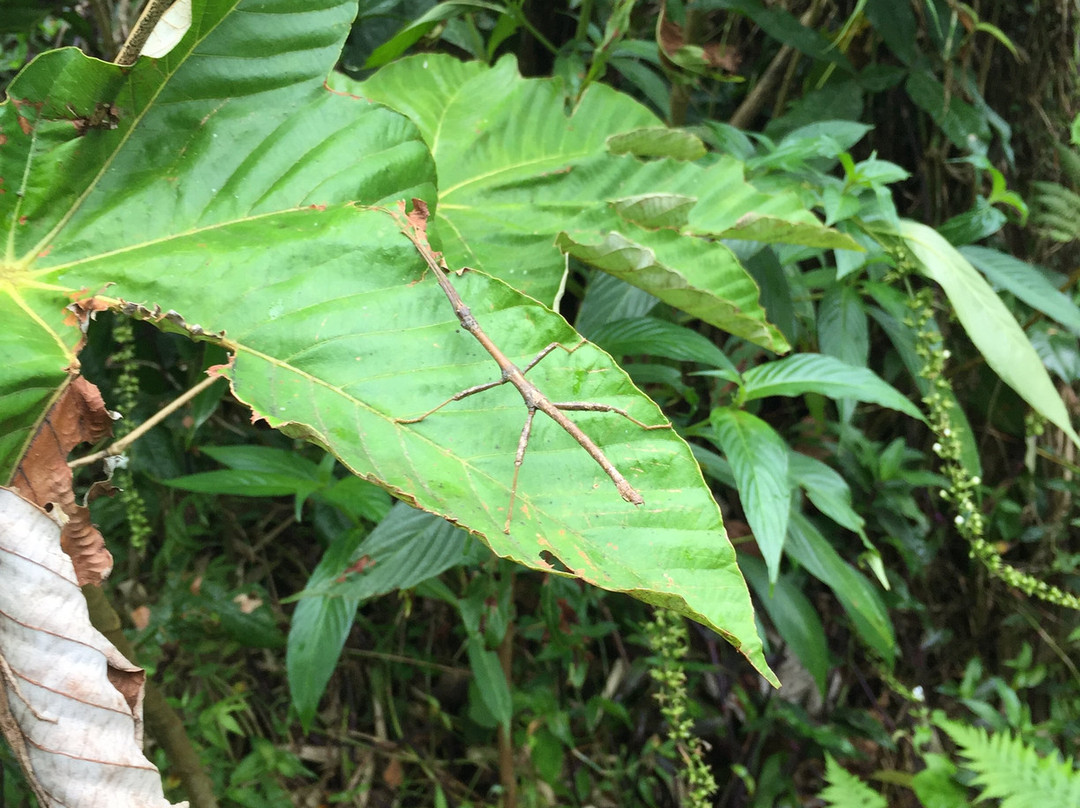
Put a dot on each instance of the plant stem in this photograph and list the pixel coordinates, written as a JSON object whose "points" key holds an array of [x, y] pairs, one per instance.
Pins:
{"points": [[753, 102], [121, 445], [102, 13], [581, 34], [140, 32]]}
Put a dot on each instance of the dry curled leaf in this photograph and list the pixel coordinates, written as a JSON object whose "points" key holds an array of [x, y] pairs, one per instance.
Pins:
{"points": [[43, 477]]}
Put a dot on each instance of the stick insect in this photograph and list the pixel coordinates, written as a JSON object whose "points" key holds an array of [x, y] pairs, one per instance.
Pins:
{"points": [[414, 225]]}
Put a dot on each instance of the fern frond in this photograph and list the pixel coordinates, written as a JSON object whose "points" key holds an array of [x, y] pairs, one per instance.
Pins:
{"points": [[1070, 163], [1056, 210], [1008, 769], [845, 790]]}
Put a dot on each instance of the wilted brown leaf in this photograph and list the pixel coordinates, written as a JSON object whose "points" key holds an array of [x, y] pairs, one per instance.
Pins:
{"points": [[43, 477], [718, 56]]}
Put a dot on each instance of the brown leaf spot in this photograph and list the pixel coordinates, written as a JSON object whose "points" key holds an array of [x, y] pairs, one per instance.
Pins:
{"points": [[723, 57], [43, 476], [418, 217]]}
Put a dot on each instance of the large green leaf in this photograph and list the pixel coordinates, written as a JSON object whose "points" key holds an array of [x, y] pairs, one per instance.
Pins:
{"points": [[515, 170], [236, 194], [647, 335], [988, 322]]}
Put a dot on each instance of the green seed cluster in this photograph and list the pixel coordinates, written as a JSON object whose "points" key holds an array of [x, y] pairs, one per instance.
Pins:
{"points": [[127, 395], [961, 493], [669, 641]]}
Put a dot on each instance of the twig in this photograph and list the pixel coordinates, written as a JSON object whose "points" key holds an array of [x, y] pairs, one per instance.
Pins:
{"points": [[140, 32], [119, 446], [414, 225]]}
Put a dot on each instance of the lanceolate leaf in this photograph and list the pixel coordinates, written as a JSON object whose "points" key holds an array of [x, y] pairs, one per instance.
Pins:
{"points": [[826, 489], [818, 373], [988, 322], [233, 195], [856, 594], [759, 461], [648, 335], [1026, 282], [406, 548], [793, 615]]}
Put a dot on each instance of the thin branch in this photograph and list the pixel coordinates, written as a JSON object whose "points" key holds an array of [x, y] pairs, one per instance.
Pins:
{"points": [[414, 225], [140, 32], [120, 446]]}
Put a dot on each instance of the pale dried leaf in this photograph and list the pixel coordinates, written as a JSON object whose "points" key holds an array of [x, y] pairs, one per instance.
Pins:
{"points": [[70, 703], [170, 29]]}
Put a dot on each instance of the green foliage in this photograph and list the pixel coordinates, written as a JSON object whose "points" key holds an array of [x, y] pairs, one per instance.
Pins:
{"points": [[301, 357], [668, 637], [1004, 767], [248, 204], [845, 790], [1056, 208], [1009, 769]]}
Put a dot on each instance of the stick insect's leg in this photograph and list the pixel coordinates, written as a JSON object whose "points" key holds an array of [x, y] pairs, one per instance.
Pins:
{"points": [[523, 443], [456, 397], [589, 406], [481, 387], [536, 359]]}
